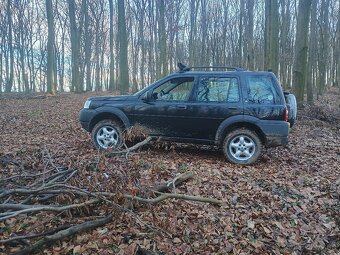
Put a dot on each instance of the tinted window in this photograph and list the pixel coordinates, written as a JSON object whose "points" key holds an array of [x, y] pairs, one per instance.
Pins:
{"points": [[177, 89], [261, 90], [218, 89]]}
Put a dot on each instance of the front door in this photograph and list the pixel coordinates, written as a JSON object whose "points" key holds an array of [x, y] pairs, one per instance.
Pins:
{"points": [[167, 113]]}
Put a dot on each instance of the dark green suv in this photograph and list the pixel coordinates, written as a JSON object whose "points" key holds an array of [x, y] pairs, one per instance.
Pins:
{"points": [[238, 110]]}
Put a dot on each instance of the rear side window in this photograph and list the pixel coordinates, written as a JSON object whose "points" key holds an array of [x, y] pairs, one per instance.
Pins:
{"points": [[218, 89], [261, 90]]}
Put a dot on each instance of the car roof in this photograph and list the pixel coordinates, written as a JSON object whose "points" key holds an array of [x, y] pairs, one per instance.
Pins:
{"points": [[238, 73]]}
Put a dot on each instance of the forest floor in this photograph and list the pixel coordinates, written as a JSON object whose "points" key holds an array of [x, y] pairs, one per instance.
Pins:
{"points": [[286, 203]]}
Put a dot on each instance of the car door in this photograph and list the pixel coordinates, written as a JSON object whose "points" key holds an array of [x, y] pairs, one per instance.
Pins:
{"points": [[216, 98], [166, 113], [263, 98]]}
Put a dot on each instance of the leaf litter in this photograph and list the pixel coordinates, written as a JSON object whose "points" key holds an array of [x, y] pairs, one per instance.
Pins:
{"points": [[287, 203]]}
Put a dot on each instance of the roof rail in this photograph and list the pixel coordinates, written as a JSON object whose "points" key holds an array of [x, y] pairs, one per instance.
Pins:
{"points": [[185, 68]]}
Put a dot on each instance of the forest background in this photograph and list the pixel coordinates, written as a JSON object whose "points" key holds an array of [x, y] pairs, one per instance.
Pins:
{"points": [[82, 45], [68, 198]]}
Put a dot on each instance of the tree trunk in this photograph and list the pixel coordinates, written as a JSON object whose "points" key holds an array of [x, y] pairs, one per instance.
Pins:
{"points": [[271, 36], [301, 48], [193, 31], [337, 52], [123, 46], [162, 38], [324, 45], [312, 52], [250, 34], [112, 57], [9, 84], [74, 47], [50, 49]]}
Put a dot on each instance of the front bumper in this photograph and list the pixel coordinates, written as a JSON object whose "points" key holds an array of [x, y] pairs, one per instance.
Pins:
{"points": [[85, 117]]}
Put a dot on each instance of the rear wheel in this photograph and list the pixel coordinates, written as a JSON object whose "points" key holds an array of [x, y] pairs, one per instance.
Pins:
{"points": [[242, 146], [107, 134]]}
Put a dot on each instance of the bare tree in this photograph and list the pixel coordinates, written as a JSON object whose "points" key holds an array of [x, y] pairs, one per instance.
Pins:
{"points": [[271, 43], [51, 86], [324, 45], [75, 32], [301, 47], [312, 52], [123, 46], [9, 83], [112, 57]]}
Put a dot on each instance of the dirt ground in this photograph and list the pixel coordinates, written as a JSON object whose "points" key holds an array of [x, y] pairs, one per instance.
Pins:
{"points": [[287, 203]]}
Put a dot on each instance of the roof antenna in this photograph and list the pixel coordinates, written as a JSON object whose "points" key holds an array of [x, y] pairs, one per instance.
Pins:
{"points": [[182, 67]]}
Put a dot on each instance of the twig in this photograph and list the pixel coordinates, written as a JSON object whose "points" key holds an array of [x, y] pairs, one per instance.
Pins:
{"points": [[174, 183], [134, 147], [65, 233]]}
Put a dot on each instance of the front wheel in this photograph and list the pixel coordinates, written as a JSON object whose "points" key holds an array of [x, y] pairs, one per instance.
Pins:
{"points": [[106, 134], [242, 146]]}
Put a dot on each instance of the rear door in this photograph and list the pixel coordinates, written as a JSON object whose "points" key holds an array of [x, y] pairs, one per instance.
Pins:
{"points": [[216, 98]]}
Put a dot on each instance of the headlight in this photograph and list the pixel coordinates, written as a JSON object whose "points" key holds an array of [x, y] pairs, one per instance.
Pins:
{"points": [[87, 104]]}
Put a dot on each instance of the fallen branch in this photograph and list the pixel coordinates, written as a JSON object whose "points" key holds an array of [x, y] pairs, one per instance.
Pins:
{"points": [[134, 147], [20, 208], [174, 183], [163, 196], [37, 208], [18, 238], [50, 239]]}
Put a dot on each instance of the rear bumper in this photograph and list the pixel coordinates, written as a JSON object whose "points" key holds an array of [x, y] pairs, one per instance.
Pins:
{"points": [[276, 132], [273, 141]]}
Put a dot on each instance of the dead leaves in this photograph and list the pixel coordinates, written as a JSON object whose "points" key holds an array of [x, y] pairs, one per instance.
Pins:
{"points": [[287, 203]]}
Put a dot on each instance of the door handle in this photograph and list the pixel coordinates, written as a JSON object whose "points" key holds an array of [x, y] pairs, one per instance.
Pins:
{"points": [[232, 108], [181, 106]]}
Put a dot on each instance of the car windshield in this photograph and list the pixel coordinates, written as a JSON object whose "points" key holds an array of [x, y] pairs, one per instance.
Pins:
{"points": [[140, 92]]}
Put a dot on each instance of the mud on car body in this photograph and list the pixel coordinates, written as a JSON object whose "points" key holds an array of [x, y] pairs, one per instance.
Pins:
{"points": [[240, 111]]}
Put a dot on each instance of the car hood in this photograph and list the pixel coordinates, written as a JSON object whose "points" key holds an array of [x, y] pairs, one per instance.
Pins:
{"points": [[109, 98]]}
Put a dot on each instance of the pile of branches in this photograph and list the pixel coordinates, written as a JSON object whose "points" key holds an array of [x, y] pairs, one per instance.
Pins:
{"points": [[41, 192]]}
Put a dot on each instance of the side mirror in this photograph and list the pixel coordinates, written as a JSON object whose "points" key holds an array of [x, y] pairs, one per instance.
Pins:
{"points": [[147, 96]]}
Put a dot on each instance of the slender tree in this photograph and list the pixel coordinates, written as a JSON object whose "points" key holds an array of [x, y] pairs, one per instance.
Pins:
{"points": [[9, 83], [250, 35], [51, 88], [324, 45], [271, 43], [75, 47], [337, 53], [123, 46], [112, 57], [162, 38], [312, 52], [301, 48]]}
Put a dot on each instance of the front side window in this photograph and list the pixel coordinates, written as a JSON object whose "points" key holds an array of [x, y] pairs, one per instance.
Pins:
{"points": [[218, 89], [261, 90], [177, 89]]}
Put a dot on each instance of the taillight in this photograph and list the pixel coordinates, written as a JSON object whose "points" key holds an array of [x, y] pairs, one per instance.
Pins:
{"points": [[285, 117]]}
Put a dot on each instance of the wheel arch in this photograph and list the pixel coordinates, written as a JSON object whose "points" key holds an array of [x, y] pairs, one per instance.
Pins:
{"points": [[226, 127], [111, 114]]}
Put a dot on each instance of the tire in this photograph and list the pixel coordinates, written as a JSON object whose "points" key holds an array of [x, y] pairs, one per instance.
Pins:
{"points": [[292, 109], [242, 147], [107, 134]]}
